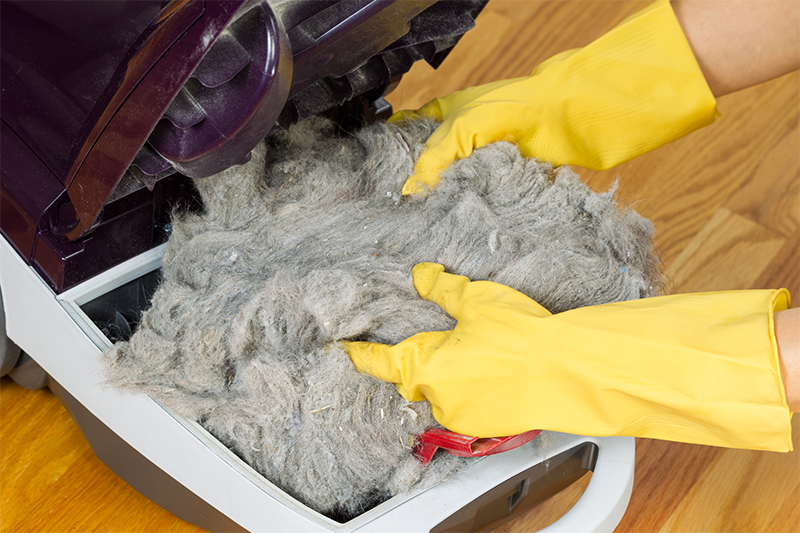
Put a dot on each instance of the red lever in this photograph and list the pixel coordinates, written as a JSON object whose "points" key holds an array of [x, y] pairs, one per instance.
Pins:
{"points": [[465, 446]]}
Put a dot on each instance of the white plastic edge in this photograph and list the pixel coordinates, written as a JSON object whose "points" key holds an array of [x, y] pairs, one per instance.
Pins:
{"points": [[603, 504]]}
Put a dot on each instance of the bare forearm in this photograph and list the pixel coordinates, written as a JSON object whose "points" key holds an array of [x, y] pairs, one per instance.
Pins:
{"points": [[741, 43], [787, 333]]}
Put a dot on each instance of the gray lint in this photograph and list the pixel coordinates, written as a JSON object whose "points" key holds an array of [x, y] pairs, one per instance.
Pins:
{"points": [[310, 243]]}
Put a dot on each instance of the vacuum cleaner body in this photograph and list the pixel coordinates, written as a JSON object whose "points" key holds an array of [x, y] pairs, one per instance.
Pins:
{"points": [[109, 111]]}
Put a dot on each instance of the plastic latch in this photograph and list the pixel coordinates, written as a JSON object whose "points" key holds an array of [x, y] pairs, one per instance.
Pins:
{"points": [[465, 446]]}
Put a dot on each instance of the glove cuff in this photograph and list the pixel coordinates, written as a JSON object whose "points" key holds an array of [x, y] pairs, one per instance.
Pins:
{"points": [[700, 368], [636, 88]]}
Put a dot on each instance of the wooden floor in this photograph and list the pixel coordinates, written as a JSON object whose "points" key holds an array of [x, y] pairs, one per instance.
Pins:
{"points": [[726, 205]]}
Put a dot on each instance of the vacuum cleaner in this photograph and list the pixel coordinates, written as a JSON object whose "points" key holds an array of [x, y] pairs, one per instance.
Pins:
{"points": [[109, 111]]}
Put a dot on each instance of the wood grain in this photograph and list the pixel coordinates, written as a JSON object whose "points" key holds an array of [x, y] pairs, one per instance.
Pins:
{"points": [[725, 202], [729, 252], [51, 481]]}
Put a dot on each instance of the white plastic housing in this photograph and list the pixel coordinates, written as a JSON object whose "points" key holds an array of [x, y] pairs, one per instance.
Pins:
{"points": [[54, 331]]}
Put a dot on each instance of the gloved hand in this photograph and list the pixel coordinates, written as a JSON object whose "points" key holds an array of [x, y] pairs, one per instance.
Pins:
{"points": [[699, 368], [636, 88]]}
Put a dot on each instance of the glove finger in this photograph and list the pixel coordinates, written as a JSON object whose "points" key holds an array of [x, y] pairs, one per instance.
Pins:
{"points": [[452, 140], [436, 285], [396, 364], [558, 58], [432, 110], [444, 107], [412, 395], [402, 115], [427, 172], [456, 294], [379, 360], [393, 363]]}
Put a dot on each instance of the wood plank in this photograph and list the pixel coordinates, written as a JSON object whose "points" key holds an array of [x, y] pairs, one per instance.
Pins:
{"points": [[784, 271], [749, 153], [735, 476], [51, 481], [728, 253], [664, 473], [769, 194]]}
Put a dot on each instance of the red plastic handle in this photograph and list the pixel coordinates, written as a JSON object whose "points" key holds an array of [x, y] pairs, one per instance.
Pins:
{"points": [[466, 446]]}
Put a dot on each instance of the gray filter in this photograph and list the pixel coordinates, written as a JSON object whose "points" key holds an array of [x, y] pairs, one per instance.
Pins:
{"points": [[311, 243]]}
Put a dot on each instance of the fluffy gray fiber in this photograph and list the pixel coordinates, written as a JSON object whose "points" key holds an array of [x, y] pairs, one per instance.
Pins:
{"points": [[310, 243]]}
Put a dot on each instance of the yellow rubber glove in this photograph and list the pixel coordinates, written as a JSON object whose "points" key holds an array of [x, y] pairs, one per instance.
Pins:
{"points": [[636, 88], [699, 368]]}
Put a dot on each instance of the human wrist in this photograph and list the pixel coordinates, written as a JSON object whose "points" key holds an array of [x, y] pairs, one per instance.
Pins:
{"points": [[741, 43], [787, 336]]}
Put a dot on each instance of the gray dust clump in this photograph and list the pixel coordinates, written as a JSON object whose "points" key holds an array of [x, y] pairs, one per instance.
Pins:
{"points": [[310, 243]]}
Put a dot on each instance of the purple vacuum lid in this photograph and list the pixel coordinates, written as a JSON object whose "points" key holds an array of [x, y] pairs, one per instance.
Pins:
{"points": [[101, 100]]}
